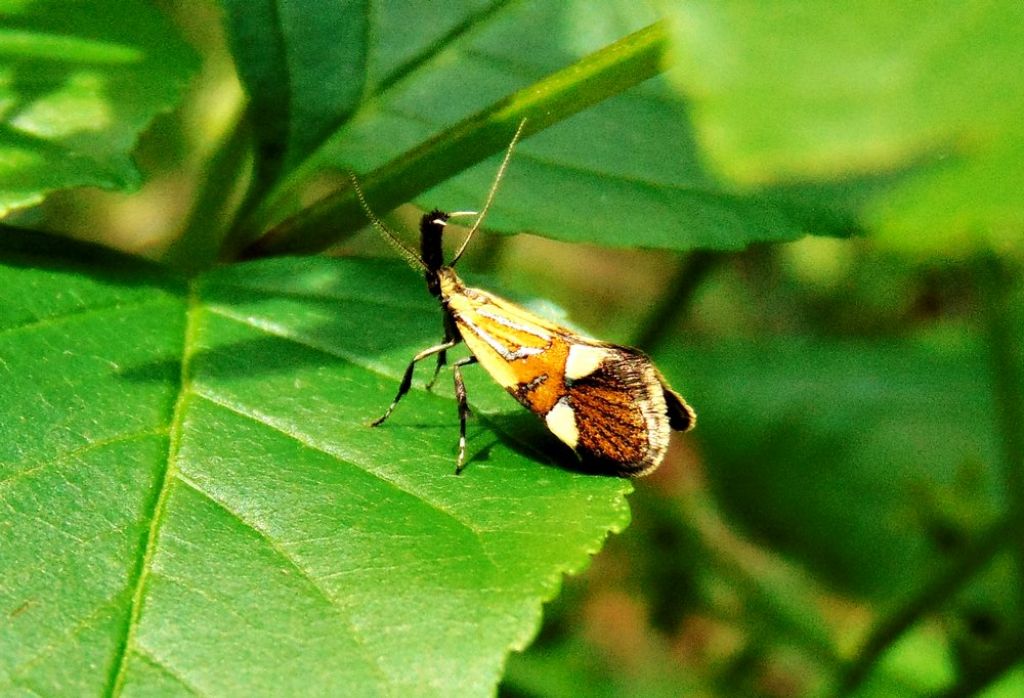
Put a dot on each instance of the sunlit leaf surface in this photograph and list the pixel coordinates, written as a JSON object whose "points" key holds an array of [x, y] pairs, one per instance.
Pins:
{"points": [[191, 500]]}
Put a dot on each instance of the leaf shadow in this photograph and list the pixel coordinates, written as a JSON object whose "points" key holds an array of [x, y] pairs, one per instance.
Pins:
{"points": [[521, 431], [20, 247]]}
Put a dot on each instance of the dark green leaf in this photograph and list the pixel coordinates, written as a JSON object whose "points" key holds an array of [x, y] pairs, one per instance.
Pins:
{"points": [[191, 499], [866, 461], [630, 163], [78, 82], [303, 65]]}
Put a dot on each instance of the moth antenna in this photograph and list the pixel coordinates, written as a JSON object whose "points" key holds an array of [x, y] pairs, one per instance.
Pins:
{"points": [[411, 258], [490, 195]]}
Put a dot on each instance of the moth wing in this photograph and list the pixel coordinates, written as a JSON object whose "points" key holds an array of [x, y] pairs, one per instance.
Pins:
{"points": [[513, 345], [622, 414], [607, 402], [681, 416]]}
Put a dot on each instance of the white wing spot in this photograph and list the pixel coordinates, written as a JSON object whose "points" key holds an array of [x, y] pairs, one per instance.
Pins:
{"points": [[561, 420], [583, 360]]}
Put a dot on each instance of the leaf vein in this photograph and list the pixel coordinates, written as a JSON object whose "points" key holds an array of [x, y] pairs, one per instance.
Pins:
{"points": [[344, 613], [284, 332], [158, 508], [85, 624], [168, 670], [472, 23], [348, 459], [26, 469]]}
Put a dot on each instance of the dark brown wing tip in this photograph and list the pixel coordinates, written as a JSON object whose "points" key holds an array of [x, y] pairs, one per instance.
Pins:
{"points": [[596, 464], [681, 416]]}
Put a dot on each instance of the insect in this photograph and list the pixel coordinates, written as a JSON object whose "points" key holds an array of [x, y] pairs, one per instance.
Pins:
{"points": [[606, 402]]}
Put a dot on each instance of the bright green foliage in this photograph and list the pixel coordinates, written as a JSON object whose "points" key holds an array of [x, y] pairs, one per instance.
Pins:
{"points": [[931, 93], [78, 82], [632, 159], [193, 502]]}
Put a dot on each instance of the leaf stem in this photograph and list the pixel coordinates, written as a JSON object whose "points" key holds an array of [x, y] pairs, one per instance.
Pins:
{"points": [[996, 280], [763, 583], [674, 302], [199, 244], [995, 666], [602, 74], [268, 197], [927, 598]]}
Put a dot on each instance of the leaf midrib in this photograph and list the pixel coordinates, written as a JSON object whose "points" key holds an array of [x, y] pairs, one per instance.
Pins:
{"points": [[189, 344], [186, 392]]}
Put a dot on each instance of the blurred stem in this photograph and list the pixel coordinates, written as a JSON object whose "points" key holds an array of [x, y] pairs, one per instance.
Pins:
{"points": [[997, 283], [199, 244], [1002, 660], [675, 302], [763, 587], [997, 280], [928, 598], [605, 73]]}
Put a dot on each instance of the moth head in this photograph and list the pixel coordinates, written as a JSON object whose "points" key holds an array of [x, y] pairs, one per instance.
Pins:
{"points": [[432, 227], [431, 231], [431, 257]]}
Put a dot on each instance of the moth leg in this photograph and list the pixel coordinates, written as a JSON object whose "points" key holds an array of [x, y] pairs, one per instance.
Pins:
{"points": [[451, 334], [442, 359], [460, 394], [406, 383]]}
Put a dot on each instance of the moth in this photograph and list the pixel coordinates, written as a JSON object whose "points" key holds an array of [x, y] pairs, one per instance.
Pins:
{"points": [[606, 402]]}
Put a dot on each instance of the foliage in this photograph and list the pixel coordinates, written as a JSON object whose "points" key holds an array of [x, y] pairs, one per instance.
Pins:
{"points": [[75, 90], [190, 500]]}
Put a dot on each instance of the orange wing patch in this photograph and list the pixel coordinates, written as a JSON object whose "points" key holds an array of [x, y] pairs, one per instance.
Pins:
{"points": [[526, 354]]}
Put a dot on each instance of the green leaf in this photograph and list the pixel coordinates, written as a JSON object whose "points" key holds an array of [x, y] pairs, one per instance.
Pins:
{"points": [[1009, 686], [921, 663], [191, 501], [630, 162], [890, 449], [78, 82], [819, 90], [303, 65]]}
